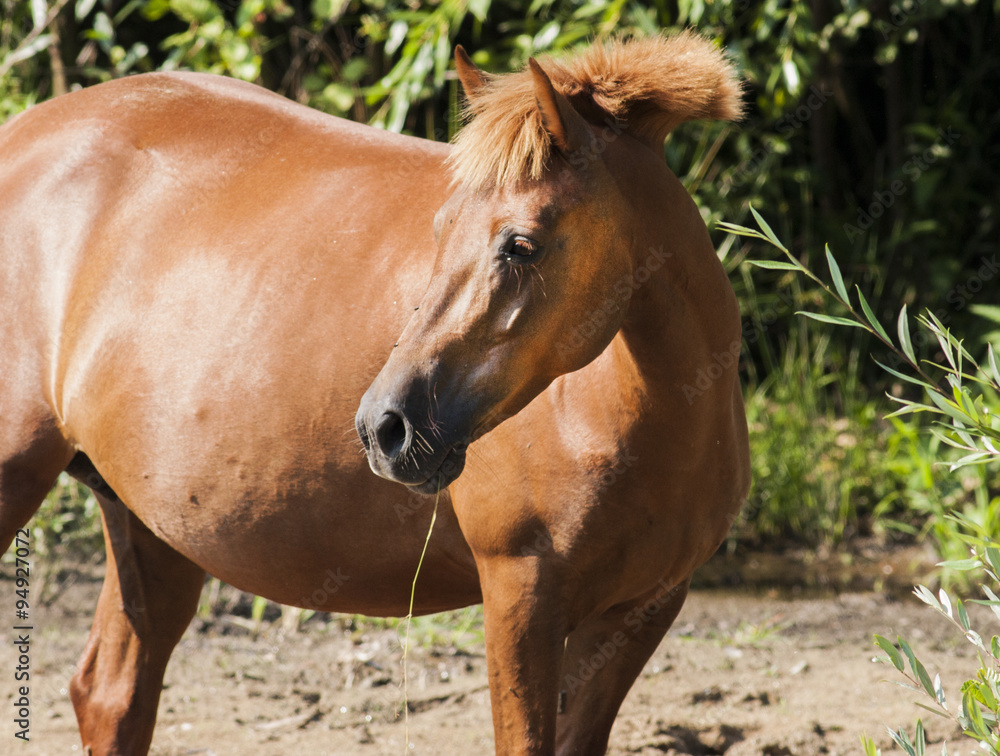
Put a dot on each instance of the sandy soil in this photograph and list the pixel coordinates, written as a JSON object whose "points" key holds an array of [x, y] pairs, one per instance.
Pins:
{"points": [[743, 673]]}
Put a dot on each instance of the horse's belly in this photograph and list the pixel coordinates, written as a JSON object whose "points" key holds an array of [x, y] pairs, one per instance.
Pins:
{"points": [[350, 543]]}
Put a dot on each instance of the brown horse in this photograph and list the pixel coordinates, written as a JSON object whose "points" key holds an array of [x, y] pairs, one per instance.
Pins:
{"points": [[199, 280]]}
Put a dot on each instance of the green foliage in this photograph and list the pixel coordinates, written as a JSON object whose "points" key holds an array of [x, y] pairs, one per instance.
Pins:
{"points": [[818, 476], [824, 464], [213, 42], [460, 628], [978, 716], [68, 522], [964, 404], [66, 525]]}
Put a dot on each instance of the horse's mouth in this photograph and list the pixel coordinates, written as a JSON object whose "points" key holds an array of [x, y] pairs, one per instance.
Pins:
{"points": [[446, 474]]}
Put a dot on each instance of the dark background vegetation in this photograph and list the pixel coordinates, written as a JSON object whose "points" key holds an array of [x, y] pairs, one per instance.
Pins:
{"points": [[873, 127]]}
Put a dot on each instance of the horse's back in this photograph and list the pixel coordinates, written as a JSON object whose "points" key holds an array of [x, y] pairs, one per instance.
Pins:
{"points": [[121, 202]]}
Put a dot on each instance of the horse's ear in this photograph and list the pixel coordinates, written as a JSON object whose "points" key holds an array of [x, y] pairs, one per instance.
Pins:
{"points": [[568, 129], [472, 78]]}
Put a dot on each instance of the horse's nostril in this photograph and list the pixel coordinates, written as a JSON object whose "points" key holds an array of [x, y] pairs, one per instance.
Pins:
{"points": [[390, 435]]}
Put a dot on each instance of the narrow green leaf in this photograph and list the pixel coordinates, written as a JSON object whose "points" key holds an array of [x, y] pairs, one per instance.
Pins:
{"points": [[925, 679], [920, 738], [945, 438], [975, 639], [945, 343], [902, 376], [891, 651], [903, 741], [965, 437], [830, 319], [922, 593], [871, 316], [993, 556], [919, 671], [971, 459], [904, 685], [939, 691], [904, 336], [773, 265], [945, 602], [970, 708], [911, 407], [949, 409], [963, 616], [961, 564], [767, 229], [739, 230], [968, 403], [838, 279], [993, 364], [988, 698], [993, 603], [905, 648], [868, 744], [931, 709]]}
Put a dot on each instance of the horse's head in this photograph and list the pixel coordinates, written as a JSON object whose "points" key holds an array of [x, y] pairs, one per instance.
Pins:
{"points": [[536, 252]]}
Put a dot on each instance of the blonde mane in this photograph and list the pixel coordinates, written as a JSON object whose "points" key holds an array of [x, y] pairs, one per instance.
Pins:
{"points": [[646, 86]]}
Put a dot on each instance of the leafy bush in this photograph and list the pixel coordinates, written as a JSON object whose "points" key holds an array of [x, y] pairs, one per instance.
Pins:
{"points": [[818, 477], [69, 521], [965, 407]]}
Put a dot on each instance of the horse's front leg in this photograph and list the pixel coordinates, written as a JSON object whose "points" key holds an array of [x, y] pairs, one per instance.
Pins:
{"points": [[525, 633], [603, 657]]}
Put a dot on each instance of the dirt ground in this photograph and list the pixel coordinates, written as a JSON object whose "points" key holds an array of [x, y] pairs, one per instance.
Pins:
{"points": [[743, 673]]}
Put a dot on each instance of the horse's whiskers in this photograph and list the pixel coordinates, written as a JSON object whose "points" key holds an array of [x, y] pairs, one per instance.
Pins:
{"points": [[424, 445]]}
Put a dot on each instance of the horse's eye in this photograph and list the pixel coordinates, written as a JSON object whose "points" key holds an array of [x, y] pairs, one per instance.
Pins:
{"points": [[520, 249]]}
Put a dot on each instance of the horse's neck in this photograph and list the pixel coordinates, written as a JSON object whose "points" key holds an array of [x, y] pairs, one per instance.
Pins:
{"points": [[673, 363], [685, 321]]}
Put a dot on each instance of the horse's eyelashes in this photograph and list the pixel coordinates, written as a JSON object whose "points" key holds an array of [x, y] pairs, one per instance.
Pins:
{"points": [[520, 249]]}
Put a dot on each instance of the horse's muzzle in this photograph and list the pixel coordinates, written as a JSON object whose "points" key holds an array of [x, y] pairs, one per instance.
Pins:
{"points": [[402, 452]]}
